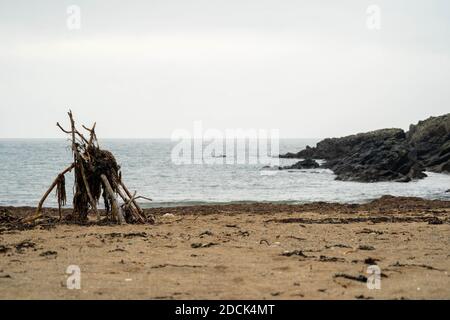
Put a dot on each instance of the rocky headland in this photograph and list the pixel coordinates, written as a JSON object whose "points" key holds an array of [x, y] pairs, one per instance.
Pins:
{"points": [[385, 154]]}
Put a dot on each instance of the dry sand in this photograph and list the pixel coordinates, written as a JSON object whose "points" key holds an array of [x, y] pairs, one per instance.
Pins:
{"points": [[248, 251]]}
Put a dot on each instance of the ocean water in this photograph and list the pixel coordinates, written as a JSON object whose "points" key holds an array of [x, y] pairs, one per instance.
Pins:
{"points": [[27, 167]]}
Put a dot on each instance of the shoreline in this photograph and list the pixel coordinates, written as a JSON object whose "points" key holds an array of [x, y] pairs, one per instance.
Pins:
{"points": [[385, 201], [246, 251], [199, 203]]}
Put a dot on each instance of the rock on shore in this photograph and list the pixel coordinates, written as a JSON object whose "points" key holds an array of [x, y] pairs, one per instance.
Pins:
{"points": [[304, 164], [386, 154], [430, 139]]}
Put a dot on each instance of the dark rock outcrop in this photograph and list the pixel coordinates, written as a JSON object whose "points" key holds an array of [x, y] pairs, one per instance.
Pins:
{"points": [[430, 139], [386, 154], [333, 148], [372, 162], [304, 164]]}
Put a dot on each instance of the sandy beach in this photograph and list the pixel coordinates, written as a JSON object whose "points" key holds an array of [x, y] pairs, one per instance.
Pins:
{"points": [[241, 251]]}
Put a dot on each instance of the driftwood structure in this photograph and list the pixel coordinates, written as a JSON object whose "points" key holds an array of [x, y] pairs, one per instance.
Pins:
{"points": [[97, 175]]}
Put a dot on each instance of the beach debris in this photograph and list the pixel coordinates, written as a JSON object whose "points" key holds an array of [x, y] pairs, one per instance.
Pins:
{"points": [[371, 219], [26, 244], [331, 259], [366, 247], [435, 220], [294, 253], [337, 245], [135, 234], [398, 264], [296, 238], [4, 249], [371, 260], [97, 174], [369, 231], [48, 253], [118, 250], [196, 245], [6, 216], [243, 233], [114, 235], [10, 222], [176, 266], [205, 233], [359, 278]]}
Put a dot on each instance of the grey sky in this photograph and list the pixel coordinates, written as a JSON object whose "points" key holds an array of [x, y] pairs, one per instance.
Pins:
{"points": [[145, 68]]}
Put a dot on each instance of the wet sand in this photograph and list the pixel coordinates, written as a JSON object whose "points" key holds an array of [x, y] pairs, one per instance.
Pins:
{"points": [[243, 251]]}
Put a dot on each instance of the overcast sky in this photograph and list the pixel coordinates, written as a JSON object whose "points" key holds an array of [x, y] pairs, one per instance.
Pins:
{"points": [[142, 69]]}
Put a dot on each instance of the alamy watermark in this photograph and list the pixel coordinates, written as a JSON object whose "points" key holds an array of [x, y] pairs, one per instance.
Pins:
{"points": [[74, 279], [374, 278], [231, 146], [73, 21], [373, 20]]}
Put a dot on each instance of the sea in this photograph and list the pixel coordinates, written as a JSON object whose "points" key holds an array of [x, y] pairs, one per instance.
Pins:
{"points": [[28, 167]]}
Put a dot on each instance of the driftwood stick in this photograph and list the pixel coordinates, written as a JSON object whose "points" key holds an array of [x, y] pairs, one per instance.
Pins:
{"points": [[92, 133], [123, 196], [142, 197], [131, 197], [134, 196], [59, 203], [74, 147], [62, 129], [128, 202], [79, 159], [115, 206], [70, 132], [49, 190], [88, 190], [93, 136]]}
